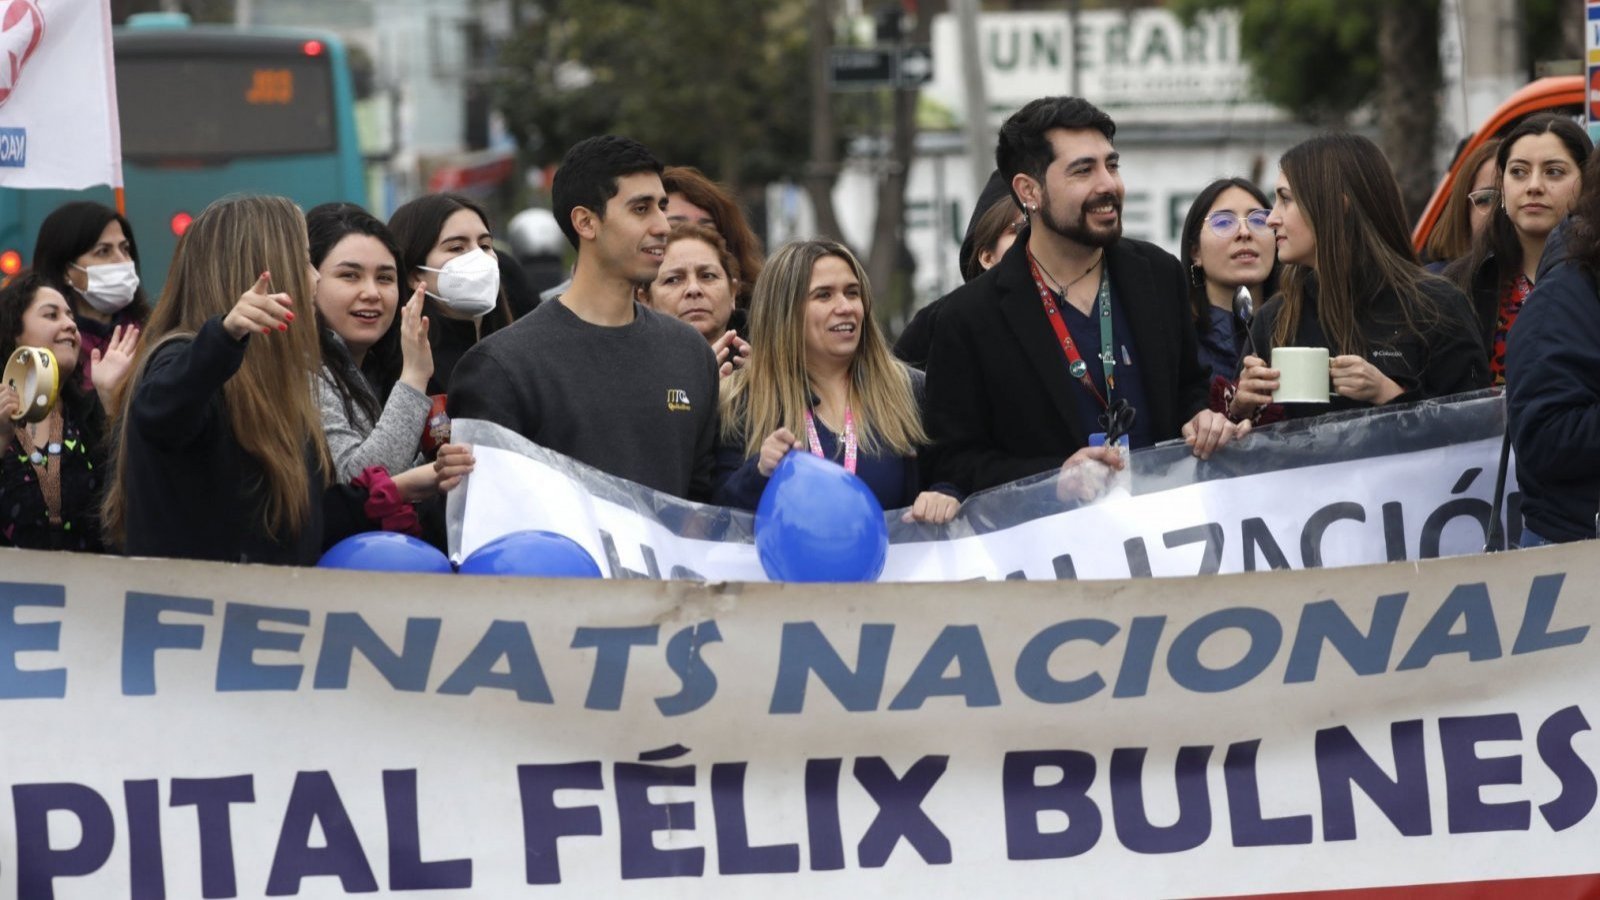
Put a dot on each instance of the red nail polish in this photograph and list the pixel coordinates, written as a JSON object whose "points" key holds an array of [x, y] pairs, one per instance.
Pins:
{"points": [[283, 327], [289, 316], [266, 331]]}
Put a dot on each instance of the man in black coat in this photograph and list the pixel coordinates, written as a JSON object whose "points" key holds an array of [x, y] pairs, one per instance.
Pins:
{"points": [[1027, 358]]}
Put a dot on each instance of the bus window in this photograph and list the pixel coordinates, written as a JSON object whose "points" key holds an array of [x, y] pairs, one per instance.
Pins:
{"points": [[231, 108]]}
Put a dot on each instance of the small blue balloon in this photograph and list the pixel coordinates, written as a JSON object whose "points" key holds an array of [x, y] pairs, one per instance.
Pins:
{"points": [[385, 551], [817, 522], [539, 554]]}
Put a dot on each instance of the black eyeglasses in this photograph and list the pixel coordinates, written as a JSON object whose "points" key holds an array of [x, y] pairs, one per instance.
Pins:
{"points": [[1224, 222], [1485, 198]]}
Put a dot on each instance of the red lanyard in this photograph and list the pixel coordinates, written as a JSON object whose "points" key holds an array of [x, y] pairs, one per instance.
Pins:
{"points": [[849, 439], [1075, 364]]}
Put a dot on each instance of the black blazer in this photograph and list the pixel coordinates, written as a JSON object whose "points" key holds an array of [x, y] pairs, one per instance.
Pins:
{"points": [[1000, 405]]}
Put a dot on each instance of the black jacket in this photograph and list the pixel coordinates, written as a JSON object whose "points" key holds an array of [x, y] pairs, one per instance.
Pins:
{"points": [[192, 490], [1000, 401], [914, 344], [1553, 403], [1437, 359]]}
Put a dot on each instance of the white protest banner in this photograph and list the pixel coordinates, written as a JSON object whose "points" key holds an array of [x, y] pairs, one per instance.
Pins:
{"points": [[1414, 483], [58, 95], [195, 729]]}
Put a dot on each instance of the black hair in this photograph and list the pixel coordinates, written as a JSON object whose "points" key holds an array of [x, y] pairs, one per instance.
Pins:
{"points": [[1190, 240], [416, 226], [326, 226], [588, 176], [1024, 147], [15, 298], [72, 230], [1499, 236]]}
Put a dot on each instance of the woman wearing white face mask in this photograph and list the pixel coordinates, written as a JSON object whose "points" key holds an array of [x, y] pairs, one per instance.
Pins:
{"points": [[446, 248], [87, 252]]}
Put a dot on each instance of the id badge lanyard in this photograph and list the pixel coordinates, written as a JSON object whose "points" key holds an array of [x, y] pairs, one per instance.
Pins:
{"points": [[1075, 362], [848, 439]]}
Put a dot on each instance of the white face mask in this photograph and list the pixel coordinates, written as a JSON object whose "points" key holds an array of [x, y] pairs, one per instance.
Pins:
{"points": [[469, 284], [111, 286]]}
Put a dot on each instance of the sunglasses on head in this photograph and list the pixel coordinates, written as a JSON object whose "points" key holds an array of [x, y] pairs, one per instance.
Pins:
{"points": [[1485, 198], [1225, 222]]}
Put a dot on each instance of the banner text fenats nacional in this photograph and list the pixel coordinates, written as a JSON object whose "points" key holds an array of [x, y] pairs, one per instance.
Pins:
{"points": [[207, 730]]}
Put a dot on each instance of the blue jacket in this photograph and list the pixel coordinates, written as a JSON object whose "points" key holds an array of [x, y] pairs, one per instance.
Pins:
{"points": [[1553, 403]]}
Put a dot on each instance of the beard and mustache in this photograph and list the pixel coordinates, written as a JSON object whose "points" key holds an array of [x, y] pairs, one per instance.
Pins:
{"points": [[1079, 230]]}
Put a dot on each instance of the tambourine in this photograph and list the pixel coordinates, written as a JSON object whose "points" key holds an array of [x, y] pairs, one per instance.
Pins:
{"points": [[37, 378]]}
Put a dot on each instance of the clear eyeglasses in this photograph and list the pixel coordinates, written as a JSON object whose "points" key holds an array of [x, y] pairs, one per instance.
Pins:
{"points": [[1224, 223], [1485, 198]]}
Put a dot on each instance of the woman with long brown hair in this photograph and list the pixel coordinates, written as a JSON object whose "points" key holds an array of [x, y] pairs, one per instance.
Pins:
{"points": [[824, 372], [1539, 172], [1473, 197], [221, 449], [1351, 283]]}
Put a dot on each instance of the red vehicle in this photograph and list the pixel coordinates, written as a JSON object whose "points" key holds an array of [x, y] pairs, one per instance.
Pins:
{"points": [[1560, 94]]}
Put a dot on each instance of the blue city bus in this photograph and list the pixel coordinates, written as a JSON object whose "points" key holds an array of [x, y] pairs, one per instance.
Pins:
{"points": [[208, 111]]}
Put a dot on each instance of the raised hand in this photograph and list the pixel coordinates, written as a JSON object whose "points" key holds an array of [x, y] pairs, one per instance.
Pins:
{"points": [[110, 367], [260, 310], [416, 352], [732, 352]]}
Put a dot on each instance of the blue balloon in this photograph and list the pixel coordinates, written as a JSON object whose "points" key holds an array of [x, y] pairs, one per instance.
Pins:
{"points": [[540, 554], [385, 551], [817, 522]]}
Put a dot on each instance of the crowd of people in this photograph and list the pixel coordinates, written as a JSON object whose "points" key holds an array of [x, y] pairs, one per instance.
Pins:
{"points": [[295, 382]]}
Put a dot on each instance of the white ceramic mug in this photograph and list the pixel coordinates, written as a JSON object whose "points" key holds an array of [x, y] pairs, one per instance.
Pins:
{"points": [[1302, 374]]}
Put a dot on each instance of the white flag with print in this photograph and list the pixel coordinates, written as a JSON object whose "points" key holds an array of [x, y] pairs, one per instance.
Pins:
{"points": [[58, 95]]}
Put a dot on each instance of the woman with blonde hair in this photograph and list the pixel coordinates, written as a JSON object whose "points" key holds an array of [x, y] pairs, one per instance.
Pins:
{"points": [[221, 449], [824, 382], [1352, 284]]}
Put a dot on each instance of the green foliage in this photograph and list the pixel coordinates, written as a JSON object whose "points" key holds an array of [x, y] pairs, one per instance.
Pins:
{"points": [[719, 84], [1316, 58], [1542, 30]]}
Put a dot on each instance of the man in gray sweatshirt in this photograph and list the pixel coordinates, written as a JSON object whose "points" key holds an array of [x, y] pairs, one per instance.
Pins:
{"points": [[594, 374]]}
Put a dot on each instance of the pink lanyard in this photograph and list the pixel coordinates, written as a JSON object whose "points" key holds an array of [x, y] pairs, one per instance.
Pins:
{"points": [[849, 439]]}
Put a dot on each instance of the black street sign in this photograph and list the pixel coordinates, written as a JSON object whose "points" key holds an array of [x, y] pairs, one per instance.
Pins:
{"points": [[873, 68], [861, 68]]}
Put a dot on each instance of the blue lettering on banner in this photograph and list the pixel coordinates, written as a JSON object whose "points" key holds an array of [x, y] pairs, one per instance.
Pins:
{"points": [[16, 637], [261, 648], [13, 147]]}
